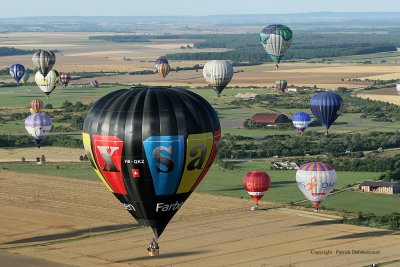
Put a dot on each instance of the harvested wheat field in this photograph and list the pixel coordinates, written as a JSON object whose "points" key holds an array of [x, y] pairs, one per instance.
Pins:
{"points": [[54, 221], [394, 99]]}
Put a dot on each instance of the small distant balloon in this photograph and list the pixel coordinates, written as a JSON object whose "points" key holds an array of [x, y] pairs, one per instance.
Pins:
{"points": [[218, 73], [160, 61], [65, 78], [301, 120], [17, 71], [38, 125], [281, 85], [94, 83], [256, 183], [163, 69], [36, 105]]}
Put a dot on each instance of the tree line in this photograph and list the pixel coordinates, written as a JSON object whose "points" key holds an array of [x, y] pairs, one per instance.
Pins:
{"points": [[12, 51]]}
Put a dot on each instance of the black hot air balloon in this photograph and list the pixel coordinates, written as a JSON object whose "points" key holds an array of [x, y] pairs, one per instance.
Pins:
{"points": [[151, 146]]}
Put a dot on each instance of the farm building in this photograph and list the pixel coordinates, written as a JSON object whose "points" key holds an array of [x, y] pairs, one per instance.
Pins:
{"points": [[270, 118], [380, 187], [286, 165], [295, 90]]}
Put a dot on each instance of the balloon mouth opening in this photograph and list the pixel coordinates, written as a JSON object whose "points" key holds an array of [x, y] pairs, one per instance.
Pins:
{"points": [[38, 142], [316, 204]]}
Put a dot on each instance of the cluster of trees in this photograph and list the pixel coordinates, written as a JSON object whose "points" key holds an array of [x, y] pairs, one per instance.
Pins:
{"points": [[378, 110], [12, 51], [359, 162], [57, 140], [84, 74], [247, 47], [121, 38], [392, 221], [313, 143]]}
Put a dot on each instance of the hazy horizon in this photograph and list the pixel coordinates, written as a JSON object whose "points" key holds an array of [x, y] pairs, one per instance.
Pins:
{"points": [[27, 8]]}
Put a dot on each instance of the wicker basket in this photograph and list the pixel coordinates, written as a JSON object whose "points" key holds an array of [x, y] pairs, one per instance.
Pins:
{"points": [[154, 252]]}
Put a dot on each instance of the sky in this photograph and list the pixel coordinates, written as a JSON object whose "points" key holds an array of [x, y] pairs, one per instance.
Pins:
{"points": [[27, 8]]}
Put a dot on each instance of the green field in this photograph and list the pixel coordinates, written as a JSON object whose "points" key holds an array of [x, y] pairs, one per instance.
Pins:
{"points": [[378, 204], [388, 58], [24, 94], [226, 182]]}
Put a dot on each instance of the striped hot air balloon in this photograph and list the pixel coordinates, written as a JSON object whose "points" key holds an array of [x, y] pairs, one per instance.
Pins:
{"points": [[160, 61], [163, 69], [25, 78], [276, 39], [44, 61], [316, 180], [281, 85], [36, 105], [218, 73], [326, 107]]}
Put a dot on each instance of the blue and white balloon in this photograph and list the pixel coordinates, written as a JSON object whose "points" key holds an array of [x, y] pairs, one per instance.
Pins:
{"points": [[301, 120]]}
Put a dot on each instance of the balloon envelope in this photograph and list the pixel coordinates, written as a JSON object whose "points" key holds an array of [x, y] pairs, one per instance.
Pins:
{"points": [[65, 78], [25, 78], [151, 146], [44, 61], [398, 88], [281, 85], [163, 69], [160, 61], [38, 125], [36, 105], [301, 120], [276, 39], [316, 180], [17, 71], [94, 83], [47, 84], [218, 73], [326, 107], [256, 183]]}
